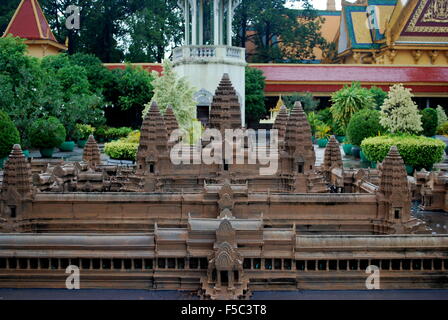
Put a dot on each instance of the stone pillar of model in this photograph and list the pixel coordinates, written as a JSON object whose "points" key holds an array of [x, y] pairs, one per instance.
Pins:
{"points": [[208, 53]]}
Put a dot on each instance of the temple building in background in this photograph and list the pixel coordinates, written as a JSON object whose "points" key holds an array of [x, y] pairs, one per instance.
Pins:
{"points": [[391, 32], [30, 24]]}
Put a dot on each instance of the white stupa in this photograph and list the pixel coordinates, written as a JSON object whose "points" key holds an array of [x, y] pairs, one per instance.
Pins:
{"points": [[208, 53]]}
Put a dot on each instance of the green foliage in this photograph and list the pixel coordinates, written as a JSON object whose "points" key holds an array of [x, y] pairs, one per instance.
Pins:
{"points": [[323, 131], [399, 114], [314, 121], [379, 95], [429, 122], [348, 101], [280, 34], [417, 151], [84, 131], [441, 116], [47, 133], [121, 150], [117, 133], [255, 84], [176, 92], [443, 129], [307, 99], [9, 135], [364, 124], [326, 116]]}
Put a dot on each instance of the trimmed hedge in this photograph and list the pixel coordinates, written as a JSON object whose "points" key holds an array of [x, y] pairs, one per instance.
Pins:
{"points": [[443, 129], [117, 133], [121, 150], [47, 133], [417, 151], [364, 124], [9, 135]]}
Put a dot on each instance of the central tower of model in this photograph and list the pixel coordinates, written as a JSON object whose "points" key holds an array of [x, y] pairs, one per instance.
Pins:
{"points": [[208, 53]]}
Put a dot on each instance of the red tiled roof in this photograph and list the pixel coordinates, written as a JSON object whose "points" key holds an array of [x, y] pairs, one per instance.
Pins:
{"points": [[349, 73], [29, 22]]}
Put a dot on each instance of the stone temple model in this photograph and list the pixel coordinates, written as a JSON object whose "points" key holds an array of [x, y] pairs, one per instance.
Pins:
{"points": [[220, 230]]}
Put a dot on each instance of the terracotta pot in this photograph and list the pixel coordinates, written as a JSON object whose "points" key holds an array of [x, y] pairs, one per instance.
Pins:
{"points": [[322, 143]]}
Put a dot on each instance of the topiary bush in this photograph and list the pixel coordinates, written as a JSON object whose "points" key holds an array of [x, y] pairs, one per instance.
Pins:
{"points": [[417, 151], [429, 122], [443, 129], [9, 135], [47, 133], [364, 124], [121, 150], [117, 133], [84, 131]]}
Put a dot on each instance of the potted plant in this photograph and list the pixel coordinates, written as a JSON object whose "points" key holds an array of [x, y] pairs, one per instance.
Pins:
{"points": [[84, 131], [9, 136], [47, 134], [322, 135]]}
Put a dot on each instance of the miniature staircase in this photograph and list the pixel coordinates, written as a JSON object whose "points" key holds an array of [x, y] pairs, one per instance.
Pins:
{"points": [[240, 291], [317, 184]]}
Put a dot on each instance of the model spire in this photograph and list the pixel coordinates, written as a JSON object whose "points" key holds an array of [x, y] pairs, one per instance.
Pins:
{"points": [[17, 173], [92, 153]]}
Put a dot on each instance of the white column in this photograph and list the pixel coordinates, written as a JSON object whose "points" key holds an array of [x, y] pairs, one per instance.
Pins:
{"points": [[229, 23], [187, 22], [221, 22], [201, 22], [216, 22], [194, 29]]}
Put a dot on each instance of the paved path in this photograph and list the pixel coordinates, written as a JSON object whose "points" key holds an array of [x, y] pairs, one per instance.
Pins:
{"points": [[60, 294]]}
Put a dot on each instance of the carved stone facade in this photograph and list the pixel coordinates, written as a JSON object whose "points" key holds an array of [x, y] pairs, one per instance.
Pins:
{"points": [[221, 231]]}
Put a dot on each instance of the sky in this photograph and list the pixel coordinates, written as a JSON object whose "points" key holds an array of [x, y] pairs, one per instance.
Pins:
{"points": [[322, 4]]}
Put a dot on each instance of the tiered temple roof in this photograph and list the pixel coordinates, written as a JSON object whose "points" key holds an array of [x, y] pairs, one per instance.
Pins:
{"points": [[170, 120], [280, 123], [154, 136], [298, 135], [92, 153], [393, 176], [225, 110], [332, 157], [17, 173]]}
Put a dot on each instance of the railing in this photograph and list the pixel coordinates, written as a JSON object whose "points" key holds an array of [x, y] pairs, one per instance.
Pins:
{"points": [[210, 53]]}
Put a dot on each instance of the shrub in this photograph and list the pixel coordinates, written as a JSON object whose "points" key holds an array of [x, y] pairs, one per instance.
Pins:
{"points": [[379, 95], [100, 133], [47, 133], [323, 131], [399, 114], [9, 135], [84, 131], [255, 84], [121, 150], [117, 133], [348, 101], [429, 122], [133, 137], [314, 122], [364, 124], [417, 151], [307, 99], [443, 129], [441, 116]]}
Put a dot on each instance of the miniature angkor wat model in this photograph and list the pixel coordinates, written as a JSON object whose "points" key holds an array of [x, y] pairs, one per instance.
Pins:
{"points": [[223, 229]]}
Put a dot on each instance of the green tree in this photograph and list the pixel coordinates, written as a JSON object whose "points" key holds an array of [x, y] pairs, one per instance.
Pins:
{"points": [[399, 114], [9, 135], [170, 90], [7, 9], [153, 28], [255, 84], [307, 99], [279, 34], [441, 116], [379, 95], [126, 94], [364, 124], [429, 122], [349, 100]]}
